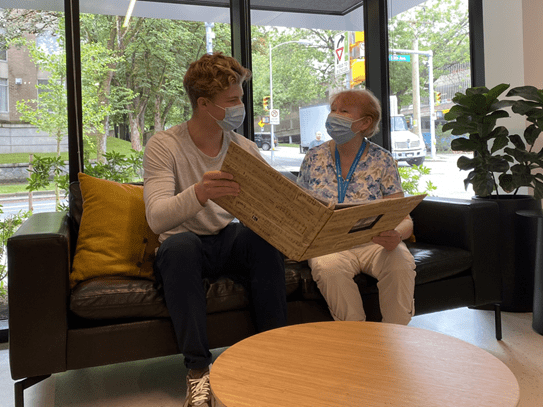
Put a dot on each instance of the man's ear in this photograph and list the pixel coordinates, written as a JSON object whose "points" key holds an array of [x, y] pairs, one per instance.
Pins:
{"points": [[202, 102]]}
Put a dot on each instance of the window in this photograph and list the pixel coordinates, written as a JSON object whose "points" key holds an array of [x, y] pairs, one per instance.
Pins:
{"points": [[429, 63], [4, 95], [298, 63], [132, 77]]}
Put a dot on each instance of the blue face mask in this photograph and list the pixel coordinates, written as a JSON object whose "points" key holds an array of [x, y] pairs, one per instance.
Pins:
{"points": [[233, 117], [339, 128]]}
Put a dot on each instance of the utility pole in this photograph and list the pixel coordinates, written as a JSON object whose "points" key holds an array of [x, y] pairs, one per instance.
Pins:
{"points": [[210, 35], [416, 85], [415, 79]]}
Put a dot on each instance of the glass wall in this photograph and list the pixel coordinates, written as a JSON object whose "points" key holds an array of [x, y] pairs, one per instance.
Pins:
{"points": [[132, 75], [296, 69], [429, 62]]}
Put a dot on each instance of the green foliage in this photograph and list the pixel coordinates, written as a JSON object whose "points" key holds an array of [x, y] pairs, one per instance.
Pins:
{"points": [[441, 26], [115, 167], [497, 152], [301, 73], [8, 226], [411, 176], [524, 159]]}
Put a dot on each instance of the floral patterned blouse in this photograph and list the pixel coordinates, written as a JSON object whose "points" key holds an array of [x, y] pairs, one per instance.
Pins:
{"points": [[375, 175]]}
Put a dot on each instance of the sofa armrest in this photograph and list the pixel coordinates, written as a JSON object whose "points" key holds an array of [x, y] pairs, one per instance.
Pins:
{"points": [[38, 291], [468, 224]]}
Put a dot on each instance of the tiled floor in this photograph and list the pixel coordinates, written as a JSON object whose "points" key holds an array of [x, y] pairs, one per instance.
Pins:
{"points": [[160, 382]]}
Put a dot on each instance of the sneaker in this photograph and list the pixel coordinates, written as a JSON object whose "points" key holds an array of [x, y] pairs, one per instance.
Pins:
{"points": [[198, 390]]}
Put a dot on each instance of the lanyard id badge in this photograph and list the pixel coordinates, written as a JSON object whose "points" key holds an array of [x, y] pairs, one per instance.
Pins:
{"points": [[343, 184]]}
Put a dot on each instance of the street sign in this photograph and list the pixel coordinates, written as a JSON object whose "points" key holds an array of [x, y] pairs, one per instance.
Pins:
{"points": [[341, 54], [261, 123], [399, 58], [274, 116]]}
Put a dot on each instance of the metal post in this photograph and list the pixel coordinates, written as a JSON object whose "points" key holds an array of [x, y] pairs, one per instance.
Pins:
{"points": [[432, 101], [430, 55], [30, 202], [210, 35], [272, 135]]}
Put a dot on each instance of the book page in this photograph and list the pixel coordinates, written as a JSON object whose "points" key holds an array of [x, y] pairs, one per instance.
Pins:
{"points": [[355, 225]]}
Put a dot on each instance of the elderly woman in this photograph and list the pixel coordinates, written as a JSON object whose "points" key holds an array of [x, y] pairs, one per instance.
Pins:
{"points": [[351, 169]]}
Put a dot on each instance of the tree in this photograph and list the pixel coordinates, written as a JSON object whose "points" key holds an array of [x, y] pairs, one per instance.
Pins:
{"points": [[301, 74], [440, 26]]}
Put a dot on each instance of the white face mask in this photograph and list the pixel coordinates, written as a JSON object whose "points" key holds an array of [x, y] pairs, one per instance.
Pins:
{"points": [[233, 117]]}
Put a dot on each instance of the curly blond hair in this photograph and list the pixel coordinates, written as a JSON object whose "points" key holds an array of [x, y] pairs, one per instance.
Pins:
{"points": [[368, 103], [212, 74]]}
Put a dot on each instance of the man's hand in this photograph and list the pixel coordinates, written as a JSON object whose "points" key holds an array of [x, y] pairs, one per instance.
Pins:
{"points": [[389, 239], [215, 184]]}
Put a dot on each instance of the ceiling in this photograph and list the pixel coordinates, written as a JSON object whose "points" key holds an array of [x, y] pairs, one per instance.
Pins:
{"points": [[328, 7], [319, 14]]}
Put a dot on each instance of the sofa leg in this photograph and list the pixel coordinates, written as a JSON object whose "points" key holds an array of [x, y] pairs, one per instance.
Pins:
{"points": [[498, 318], [20, 387]]}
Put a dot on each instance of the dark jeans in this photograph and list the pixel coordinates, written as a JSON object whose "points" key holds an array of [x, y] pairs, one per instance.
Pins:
{"points": [[185, 259]]}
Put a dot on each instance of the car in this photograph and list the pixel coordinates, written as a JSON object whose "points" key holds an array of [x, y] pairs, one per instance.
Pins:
{"points": [[262, 140]]}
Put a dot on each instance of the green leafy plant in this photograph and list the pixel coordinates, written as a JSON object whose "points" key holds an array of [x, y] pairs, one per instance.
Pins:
{"points": [[114, 167], [411, 176], [501, 159], [523, 157], [8, 226]]}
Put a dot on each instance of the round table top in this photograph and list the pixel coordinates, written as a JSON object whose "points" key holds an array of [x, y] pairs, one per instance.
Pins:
{"points": [[360, 364]]}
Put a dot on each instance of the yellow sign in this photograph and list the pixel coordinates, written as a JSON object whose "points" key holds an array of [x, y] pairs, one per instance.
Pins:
{"points": [[261, 123]]}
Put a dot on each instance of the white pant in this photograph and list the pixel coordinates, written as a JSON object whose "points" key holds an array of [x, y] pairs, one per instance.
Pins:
{"points": [[394, 271]]}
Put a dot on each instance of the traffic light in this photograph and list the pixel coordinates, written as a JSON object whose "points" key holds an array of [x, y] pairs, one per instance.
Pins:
{"points": [[266, 103], [438, 97]]}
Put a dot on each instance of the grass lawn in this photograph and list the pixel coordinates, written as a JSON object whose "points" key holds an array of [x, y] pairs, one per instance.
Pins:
{"points": [[113, 144]]}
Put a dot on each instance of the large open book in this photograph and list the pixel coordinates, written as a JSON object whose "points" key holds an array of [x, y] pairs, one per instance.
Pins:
{"points": [[296, 223]]}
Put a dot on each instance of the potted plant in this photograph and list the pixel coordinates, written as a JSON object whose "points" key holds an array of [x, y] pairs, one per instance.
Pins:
{"points": [[505, 161]]}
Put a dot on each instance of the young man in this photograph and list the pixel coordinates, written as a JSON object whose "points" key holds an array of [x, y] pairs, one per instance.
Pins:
{"points": [[181, 177]]}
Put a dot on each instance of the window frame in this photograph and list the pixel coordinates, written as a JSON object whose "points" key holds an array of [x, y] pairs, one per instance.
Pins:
{"points": [[376, 28]]}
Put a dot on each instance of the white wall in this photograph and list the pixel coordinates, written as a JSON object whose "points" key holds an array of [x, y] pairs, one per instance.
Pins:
{"points": [[513, 32], [504, 49]]}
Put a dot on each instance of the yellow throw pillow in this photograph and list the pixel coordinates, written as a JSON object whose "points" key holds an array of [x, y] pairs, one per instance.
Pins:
{"points": [[114, 237]]}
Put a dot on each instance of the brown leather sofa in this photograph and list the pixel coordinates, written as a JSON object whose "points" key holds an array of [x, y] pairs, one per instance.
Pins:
{"points": [[111, 320]]}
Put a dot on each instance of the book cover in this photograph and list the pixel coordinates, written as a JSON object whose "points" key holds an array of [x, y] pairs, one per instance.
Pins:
{"points": [[296, 223]]}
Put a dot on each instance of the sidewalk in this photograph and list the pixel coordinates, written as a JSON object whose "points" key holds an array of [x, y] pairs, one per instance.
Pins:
{"points": [[24, 195]]}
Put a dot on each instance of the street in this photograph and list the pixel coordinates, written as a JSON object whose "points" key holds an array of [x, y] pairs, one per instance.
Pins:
{"points": [[15, 203]]}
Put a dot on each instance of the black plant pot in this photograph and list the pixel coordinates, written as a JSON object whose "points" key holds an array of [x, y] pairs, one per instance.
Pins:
{"points": [[517, 248]]}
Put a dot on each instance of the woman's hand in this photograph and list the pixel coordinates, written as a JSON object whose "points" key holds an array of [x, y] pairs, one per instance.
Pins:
{"points": [[389, 239], [215, 184]]}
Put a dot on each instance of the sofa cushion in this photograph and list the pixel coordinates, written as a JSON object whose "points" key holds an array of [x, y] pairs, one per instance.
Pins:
{"points": [[114, 237], [127, 297], [117, 297], [433, 262]]}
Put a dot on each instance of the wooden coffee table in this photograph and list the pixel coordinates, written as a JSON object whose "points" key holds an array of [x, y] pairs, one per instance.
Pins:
{"points": [[345, 364]]}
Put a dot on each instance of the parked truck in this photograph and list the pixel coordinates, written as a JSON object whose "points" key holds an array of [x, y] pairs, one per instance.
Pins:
{"points": [[312, 121], [406, 145]]}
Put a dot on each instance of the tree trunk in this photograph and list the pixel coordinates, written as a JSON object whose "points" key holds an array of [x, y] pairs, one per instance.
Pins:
{"points": [[158, 119], [101, 141], [135, 134]]}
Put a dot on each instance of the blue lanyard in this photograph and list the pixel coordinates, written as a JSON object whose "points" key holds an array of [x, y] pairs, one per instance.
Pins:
{"points": [[343, 184]]}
